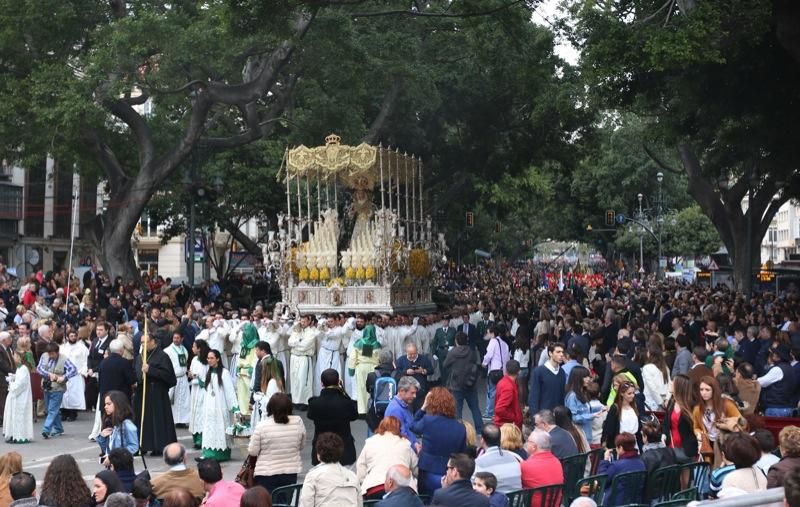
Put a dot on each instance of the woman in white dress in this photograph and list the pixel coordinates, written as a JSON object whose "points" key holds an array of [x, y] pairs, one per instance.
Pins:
{"points": [[197, 375], [219, 403], [18, 413]]}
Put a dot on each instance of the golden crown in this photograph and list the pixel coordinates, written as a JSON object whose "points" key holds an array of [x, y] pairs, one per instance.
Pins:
{"points": [[333, 139]]}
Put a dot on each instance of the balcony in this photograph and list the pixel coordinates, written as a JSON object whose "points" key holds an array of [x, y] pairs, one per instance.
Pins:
{"points": [[10, 202]]}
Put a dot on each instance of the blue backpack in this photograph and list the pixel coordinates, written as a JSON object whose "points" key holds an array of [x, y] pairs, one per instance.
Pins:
{"points": [[382, 394]]}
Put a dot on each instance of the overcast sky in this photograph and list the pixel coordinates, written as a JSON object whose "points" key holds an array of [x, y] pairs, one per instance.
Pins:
{"points": [[547, 12]]}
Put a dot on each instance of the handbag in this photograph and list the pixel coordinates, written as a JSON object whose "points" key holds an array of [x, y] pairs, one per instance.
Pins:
{"points": [[245, 475], [496, 375]]}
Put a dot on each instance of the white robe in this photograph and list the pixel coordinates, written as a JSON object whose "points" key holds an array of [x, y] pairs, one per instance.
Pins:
{"points": [[218, 402], [180, 395], [74, 396], [18, 414], [215, 337], [303, 344], [235, 339], [350, 380], [275, 335], [199, 370], [328, 355]]}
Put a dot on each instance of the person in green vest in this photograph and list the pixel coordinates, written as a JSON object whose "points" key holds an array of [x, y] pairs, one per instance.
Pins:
{"points": [[443, 340], [55, 370]]}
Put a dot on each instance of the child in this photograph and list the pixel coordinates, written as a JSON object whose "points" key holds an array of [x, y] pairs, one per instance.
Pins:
{"points": [[593, 392], [722, 353], [485, 483]]}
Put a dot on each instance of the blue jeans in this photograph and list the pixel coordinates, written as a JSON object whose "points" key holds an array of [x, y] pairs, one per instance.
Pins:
{"points": [[52, 400], [471, 397], [490, 391], [778, 412]]}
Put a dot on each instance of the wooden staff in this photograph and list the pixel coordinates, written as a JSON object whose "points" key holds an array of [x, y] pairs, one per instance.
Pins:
{"points": [[144, 386]]}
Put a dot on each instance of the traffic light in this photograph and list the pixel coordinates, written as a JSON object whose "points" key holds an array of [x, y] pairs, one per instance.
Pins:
{"points": [[470, 219], [610, 218]]}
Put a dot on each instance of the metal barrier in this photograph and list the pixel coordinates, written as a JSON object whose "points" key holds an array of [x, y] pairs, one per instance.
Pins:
{"points": [[773, 496]]}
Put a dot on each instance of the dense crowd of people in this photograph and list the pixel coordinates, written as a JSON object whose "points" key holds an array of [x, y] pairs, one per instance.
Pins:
{"points": [[653, 372]]}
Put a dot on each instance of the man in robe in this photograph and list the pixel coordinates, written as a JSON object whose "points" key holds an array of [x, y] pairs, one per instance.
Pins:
{"points": [[275, 333], [363, 361], [158, 429], [215, 334], [246, 365], [74, 398], [303, 345], [349, 379], [328, 358], [180, 395]]}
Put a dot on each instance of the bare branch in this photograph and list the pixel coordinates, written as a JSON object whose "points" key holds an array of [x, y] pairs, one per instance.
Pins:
{"points": [[387, 105], [106, 158], [418, 13], [256, 131], [268, 75], [138, 100], [652, 16], [144, 136], [660, 163]]}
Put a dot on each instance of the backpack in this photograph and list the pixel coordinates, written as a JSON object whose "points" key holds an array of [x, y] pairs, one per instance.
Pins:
{"points": [[382, 394]]}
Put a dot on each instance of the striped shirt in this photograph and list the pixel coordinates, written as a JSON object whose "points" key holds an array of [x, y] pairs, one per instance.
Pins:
{"points": [[504, 465], [46, 365]]}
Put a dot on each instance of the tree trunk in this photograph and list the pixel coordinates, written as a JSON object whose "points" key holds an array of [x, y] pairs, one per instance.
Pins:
{"points": [[124, 210], [723, 206]]}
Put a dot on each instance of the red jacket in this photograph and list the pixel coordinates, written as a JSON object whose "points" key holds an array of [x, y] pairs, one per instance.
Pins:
{"points": [[541, 469], [506, 403]]}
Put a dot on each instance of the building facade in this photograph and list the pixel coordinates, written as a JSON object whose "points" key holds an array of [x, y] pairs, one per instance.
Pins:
{"points": [[783, 236]]}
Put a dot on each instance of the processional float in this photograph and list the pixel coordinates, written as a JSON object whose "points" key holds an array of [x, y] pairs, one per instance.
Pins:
{"points": [[377, 255]]}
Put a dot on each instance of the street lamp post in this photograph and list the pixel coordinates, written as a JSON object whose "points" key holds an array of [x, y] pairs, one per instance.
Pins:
{"points": [[641, 237], [659, 219]]}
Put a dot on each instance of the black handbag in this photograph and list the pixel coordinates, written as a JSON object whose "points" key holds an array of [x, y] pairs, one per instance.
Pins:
{"points": [[496, 375]]}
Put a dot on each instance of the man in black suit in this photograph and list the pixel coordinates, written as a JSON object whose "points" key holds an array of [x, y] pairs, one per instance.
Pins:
{"points": [[456, 490], [97, 351], [470, 330], [332, 411], [90, 275]]}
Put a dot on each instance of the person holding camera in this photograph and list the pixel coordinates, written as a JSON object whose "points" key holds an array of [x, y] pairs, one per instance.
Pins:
{"points": [[55, 370], [413, 364], [333, 411]]}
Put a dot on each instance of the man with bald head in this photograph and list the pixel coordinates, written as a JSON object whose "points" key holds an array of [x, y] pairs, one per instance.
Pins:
{"points": [[419, 366], [398, 488], [179, 476]]}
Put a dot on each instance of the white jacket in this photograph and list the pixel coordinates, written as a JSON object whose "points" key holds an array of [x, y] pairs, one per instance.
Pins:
{"points": [[330, 485], [278, 446], [381, 452]]}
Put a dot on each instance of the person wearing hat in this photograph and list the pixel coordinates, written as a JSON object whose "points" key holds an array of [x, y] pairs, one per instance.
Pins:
{"points": [[778, 383]]}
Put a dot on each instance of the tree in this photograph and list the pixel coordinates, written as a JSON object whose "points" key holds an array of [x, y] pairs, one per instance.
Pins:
{"points": [[218, 75], [689, 233], [716, 87]]}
